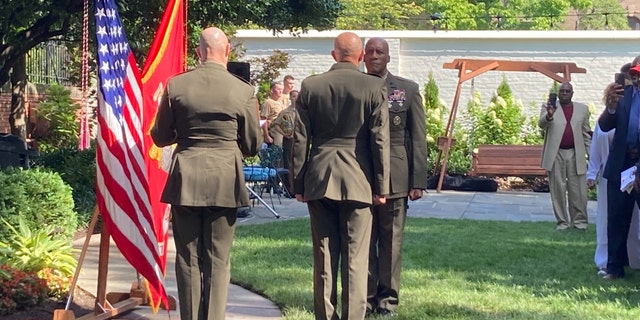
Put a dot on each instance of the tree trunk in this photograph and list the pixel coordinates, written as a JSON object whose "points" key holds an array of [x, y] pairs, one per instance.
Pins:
{"points": [[18, 115]]}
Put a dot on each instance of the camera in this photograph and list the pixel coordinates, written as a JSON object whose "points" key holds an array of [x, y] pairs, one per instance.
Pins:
{"points": [[241, 70]]}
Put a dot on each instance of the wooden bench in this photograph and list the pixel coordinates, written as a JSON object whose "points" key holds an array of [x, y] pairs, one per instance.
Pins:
{"points": [[507, 160]]}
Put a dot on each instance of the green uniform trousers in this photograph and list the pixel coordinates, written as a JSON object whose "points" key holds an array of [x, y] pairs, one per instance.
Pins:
{"points": [[340, 232], [385, 254], [203, 238]]}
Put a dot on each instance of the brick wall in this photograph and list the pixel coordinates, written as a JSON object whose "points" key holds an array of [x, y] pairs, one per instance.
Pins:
{"points": [[5, 110], [414, 54]]}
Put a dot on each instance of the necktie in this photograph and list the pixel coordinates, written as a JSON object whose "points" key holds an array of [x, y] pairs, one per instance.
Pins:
{"points": [[634, 118]]}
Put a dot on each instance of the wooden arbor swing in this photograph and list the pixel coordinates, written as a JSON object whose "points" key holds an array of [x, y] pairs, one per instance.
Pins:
{"points": [[471, 68]]}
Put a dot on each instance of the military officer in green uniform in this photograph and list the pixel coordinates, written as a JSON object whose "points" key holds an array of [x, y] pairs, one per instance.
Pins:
{"points": [[408, 179], [340, 167], [213, 118]]}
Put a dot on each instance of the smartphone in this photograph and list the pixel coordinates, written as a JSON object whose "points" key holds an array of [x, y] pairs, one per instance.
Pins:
{"points": [[553, 97], [620, 79]]}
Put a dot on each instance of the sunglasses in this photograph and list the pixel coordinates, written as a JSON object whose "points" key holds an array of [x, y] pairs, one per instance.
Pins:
{"points": [[565, 91]]}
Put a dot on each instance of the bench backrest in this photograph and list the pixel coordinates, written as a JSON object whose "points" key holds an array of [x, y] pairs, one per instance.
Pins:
{"points": [[508, 160]]}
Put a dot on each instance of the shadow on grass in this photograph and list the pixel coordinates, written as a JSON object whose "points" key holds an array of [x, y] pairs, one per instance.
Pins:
{"points": [[453, 269]]}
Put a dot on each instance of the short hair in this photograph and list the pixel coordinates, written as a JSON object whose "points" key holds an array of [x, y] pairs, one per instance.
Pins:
{"points": [[288, 77], [273, 84], [292, 91], [626, 67]]}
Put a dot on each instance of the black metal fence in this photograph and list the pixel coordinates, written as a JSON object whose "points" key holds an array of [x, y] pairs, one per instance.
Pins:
{"points": [[48, 63]]}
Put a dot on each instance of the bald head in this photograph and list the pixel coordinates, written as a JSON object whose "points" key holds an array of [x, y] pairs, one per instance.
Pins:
{"points": [[348, 48], [214, 46]]}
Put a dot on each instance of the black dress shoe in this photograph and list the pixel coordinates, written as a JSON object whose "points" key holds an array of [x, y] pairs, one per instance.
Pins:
{"points": [[385, 312]]}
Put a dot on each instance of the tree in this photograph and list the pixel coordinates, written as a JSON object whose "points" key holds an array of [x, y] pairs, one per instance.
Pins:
{"points": [[26, 24], [603, 14], [377, 14]]}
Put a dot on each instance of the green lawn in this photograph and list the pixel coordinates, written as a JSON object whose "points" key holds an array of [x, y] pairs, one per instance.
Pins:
{"points": [[453, 269]]}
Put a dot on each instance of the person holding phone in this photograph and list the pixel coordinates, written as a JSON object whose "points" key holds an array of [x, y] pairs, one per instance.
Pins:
{"points": [[622, 114], [566, 141]]}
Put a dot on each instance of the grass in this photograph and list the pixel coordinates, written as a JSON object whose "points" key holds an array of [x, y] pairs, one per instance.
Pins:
{"points": [[452, 269]]}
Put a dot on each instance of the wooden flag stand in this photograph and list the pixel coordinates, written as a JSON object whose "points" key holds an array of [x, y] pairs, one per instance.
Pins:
{"points": [[107, 305], [471, 68]]}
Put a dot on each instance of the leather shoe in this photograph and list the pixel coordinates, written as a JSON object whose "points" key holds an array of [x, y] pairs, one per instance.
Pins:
{"points": [[385, 312]]}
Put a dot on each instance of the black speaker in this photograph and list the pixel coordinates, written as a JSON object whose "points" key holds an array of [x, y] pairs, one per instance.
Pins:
{"points": [[241, 70]]}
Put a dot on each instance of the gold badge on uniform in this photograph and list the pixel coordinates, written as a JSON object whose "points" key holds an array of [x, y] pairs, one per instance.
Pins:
{"points": [[397, 120]]}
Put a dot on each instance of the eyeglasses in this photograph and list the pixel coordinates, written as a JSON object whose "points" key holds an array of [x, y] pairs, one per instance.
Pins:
{"points": [[565, 91]]}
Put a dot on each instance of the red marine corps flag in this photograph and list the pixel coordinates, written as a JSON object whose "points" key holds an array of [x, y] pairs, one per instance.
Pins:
{"points": [[121, 177], [165, 59]]}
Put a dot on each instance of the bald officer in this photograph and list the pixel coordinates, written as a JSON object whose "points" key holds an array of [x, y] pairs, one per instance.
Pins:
{"points": [[213, 118], [340, 168]]}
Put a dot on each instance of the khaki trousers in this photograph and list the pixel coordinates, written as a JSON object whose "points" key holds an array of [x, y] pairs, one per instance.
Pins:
{"points": [[203, 238], [385, 254], [565, 181], [340, 232]]}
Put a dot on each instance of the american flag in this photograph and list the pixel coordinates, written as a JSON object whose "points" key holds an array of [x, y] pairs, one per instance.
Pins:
{"points": [[123, 190]]}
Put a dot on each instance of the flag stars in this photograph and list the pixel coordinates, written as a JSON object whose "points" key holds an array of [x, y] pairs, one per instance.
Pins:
{"points": [[100, 13], [105, 67], [104, 49], [102, 31], [107, 84]]}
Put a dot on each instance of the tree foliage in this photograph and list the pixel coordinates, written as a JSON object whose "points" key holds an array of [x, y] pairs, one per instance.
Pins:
{"points": [[26, 24], [377, 14]]}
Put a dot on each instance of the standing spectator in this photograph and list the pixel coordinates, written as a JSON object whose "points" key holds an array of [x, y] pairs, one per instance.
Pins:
{"points": [[288, 84], [212, 116], [340, 167], [597, 159], [566, 142], [622, 114], [269, 110], [284, 125], [408, 179]]}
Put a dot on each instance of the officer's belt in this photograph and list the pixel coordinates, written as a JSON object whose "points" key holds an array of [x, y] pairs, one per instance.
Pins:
{"points": [[206, 143], [339, 142]]}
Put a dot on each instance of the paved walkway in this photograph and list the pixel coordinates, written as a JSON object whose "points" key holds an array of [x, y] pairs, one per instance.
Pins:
{"points": [[245, 305]]}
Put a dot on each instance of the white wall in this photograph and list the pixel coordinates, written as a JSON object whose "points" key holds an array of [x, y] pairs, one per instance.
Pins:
{"points": [[416, 53]]}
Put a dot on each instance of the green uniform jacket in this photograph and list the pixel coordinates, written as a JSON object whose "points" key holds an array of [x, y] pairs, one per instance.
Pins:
{"points": [[213, 118], [408, 136], [341, 137]]}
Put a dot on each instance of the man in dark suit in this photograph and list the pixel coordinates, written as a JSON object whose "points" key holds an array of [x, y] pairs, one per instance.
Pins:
{"points": [[408, 179], [623, 114], [213, 118], [340, 167]]}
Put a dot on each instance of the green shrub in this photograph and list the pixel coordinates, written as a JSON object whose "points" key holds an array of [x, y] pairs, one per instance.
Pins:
{"points": [[78, 169], [38, 196], [20, 290], [59, 110], [501, 122], [34, 250], [435, 111]]}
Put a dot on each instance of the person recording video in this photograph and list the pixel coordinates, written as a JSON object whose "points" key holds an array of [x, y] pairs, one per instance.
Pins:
{"points": [[566, 141], [622, 113]]}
